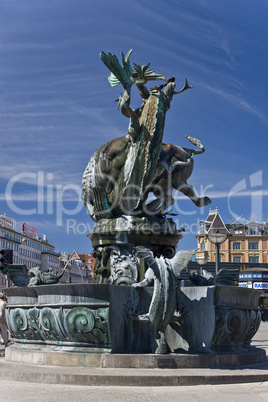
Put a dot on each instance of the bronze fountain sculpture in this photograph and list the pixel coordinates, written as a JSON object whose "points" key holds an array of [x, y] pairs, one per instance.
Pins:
{"points": [[134, 242], [116, 184]]}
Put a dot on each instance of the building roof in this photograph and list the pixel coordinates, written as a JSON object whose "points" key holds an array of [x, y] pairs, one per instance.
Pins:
{"points": [[254, 269], [218, 226], [211, 215], [84, 258], [214, 224], [74, 255]]}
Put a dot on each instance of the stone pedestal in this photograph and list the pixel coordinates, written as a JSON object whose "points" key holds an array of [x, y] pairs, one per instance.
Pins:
{"points": [[214, 318], [91, 317], [116, 240], [104, 320]]}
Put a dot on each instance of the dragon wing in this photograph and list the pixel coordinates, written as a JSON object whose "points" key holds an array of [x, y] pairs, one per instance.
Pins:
{"points": [[119, 74], [204, 279], [181, 260], [124, 74], [226, 277]]}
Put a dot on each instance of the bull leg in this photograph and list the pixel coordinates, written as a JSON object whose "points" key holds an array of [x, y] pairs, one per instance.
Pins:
{"points": [[156, 207], [153, 205], [167, 202], [163, 193], [188, 190]]}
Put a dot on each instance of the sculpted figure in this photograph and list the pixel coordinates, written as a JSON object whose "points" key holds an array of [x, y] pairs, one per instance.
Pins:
{"points": [[36, 277], [162, 273], [122, 172], [225, 277], [21, 276], [124, 267], [174, 168]]}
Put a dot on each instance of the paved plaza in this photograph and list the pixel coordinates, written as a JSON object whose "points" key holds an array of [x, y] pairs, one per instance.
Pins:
{"points": [[11, 390]]}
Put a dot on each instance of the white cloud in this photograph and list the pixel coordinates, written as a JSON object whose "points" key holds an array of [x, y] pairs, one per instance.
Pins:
{"points": [[236, 101]]}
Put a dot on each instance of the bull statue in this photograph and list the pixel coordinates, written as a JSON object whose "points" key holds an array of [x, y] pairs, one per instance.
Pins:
{"points": [[121, 173]]}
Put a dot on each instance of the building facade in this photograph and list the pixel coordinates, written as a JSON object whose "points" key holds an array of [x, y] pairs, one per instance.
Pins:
{"points": [[7, 222], [78, 267], [33, 251], [245, 243], [89, 262], [28, 249]]}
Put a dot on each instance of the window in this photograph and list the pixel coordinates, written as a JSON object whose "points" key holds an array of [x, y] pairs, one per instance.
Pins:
{"points": [[203, 247], [253, 245], [253, 230], [236, 245], [236, 259], [254, 259]]}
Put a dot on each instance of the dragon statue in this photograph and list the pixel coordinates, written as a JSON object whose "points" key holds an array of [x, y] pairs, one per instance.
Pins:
{"points": [[122, 172], [21, 276]]}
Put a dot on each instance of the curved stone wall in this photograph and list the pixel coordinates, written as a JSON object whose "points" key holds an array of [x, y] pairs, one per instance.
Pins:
{"points": [[106, 318]]}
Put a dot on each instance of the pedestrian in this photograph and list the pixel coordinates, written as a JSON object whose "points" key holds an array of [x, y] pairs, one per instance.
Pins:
{"points": [[3, 327]]}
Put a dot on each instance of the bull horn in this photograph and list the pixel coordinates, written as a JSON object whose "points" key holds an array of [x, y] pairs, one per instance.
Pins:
{"points": [[186, 86]]}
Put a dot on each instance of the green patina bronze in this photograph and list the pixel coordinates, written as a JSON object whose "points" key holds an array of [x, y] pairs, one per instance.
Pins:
{"points": [[122, 172]]}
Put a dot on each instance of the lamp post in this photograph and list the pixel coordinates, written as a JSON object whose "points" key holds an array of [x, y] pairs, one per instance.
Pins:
{"points": [[217, 238], [202, 260]]}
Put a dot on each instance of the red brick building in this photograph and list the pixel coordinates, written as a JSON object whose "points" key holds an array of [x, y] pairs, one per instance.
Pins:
{"points": [[247, 242], [87, 260]]}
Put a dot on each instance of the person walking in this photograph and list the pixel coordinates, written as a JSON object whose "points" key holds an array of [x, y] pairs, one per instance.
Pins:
{"points": [[3, 327]]}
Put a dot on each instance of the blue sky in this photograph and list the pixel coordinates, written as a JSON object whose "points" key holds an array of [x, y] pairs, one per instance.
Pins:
{"points": [[57, 107]]}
